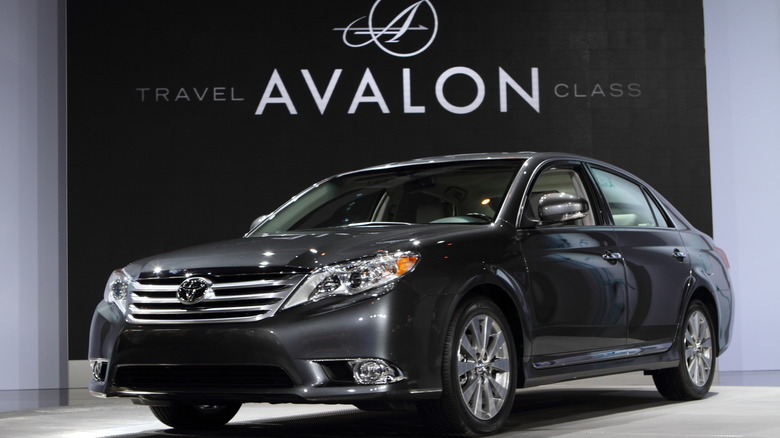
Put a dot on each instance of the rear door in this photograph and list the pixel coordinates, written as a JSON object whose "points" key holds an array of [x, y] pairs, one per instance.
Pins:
{"points": [[657, 263]]}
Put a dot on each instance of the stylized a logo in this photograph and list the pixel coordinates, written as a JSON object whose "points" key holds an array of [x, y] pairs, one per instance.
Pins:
{"points": [[401, 25]]}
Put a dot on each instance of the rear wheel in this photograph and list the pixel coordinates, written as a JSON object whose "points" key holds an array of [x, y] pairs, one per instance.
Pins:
{"points": [[185, 416], [479, 373], [692, 378]]}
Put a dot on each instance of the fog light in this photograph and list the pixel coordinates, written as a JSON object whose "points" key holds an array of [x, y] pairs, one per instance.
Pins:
{"points": [[99, 368], [375, 372]]}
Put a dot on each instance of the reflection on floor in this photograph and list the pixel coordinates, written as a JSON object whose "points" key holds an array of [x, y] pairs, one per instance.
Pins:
{"points": [[611, 406], [33, 399], [749, 378]]}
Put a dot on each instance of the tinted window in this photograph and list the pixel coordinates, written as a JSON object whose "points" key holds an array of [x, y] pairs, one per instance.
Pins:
{"points": [[464, 193], [558, 180], [349, 207], [628, 204], [660, 217]]}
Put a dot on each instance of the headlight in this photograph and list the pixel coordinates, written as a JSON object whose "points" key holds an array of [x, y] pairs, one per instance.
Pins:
{"points": [[354, 277], [117, 289]]}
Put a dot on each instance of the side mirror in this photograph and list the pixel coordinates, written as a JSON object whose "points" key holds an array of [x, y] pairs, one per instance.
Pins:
{"points": [[561, 207], [257, 222]]}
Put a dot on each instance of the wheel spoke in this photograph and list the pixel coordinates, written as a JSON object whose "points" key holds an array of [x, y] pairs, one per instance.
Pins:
{"points": [[469, 390], [476, 330], [707, 362], [693, 370], [704, 371], [496, 346], [466, 367], [498, 390], [704, 328], [501, 365], [689, 339], [693, 329], [477, 399], [487, 330], [701, 372], [689, 352], [490, 401], [468, 348]]}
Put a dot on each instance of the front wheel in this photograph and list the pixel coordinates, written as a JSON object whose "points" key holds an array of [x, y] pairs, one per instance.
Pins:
{"points": [[479, 373], [185, 416], [692, 378]]}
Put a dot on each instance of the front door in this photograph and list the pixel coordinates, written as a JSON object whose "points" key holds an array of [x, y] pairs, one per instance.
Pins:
{"points": [[577, 278], [578, 298]]}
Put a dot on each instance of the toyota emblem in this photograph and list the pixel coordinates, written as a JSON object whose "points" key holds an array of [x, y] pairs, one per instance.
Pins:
{"points": [[193, 290]]}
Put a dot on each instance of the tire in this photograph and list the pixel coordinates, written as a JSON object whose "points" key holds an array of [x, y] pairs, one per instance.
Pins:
{"points": [[692, 378], [185, 416], [479, 373]]}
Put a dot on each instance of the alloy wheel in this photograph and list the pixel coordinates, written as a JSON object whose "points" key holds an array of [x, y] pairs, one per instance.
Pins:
{"points": [[484, 368], [698, 348]]}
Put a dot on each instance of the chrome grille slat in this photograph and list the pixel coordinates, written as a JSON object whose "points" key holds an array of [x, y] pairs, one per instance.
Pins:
{"points": [[231, 285], [197, 311], [191, 321], [260, 296], [248, 284], [153, 300], [154, 287], [144, 300]]}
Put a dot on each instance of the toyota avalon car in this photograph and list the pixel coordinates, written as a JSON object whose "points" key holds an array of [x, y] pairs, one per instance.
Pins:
{"points": [[439, 285]]}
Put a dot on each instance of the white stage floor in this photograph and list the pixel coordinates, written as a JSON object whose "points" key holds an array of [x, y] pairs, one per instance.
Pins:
{"points": [[606, 407]]}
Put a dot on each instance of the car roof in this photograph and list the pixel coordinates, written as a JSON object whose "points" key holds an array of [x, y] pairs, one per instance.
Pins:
{"points": [[538, 157], [456, 158]]}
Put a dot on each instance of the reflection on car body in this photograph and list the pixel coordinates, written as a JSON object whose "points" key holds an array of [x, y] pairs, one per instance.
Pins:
{"points": [[438, 284]]}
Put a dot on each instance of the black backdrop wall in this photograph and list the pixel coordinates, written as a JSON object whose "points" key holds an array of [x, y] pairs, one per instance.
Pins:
{"points": [[189, 118]]}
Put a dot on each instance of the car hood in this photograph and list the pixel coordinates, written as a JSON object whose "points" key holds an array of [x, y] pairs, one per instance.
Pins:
{"points": [[302, 251]]}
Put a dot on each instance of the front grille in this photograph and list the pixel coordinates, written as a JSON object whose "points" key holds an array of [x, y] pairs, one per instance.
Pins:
{"points": [[197, 377], [236, 298]]}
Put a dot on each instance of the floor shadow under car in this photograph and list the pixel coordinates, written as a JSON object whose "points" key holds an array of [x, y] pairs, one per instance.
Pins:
{"points": [[534, 409]]}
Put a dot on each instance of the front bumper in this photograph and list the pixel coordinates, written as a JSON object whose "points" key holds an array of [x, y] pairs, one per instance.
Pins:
{"points": [[298, 355]]}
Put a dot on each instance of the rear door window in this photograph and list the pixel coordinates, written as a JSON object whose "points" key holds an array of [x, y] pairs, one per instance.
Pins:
{"points": [[629, 203]]}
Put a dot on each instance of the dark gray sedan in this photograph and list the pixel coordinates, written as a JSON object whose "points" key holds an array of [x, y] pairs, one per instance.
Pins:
{"points": [[440, 284]]}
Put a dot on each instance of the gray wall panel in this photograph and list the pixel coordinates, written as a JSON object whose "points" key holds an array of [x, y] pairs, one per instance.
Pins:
{"points": [[33, 315]]}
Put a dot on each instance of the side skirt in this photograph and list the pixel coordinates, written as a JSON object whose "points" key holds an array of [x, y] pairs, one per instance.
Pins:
{"points": [[598, 364]]}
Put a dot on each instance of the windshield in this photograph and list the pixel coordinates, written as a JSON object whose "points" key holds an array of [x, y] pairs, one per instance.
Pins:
{"points": [[464, 192]]}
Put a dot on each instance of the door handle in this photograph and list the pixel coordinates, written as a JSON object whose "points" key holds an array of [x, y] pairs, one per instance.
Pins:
{"points": [[612, 257], [679, 255]]}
